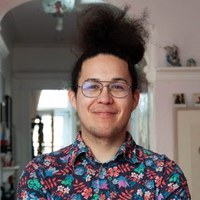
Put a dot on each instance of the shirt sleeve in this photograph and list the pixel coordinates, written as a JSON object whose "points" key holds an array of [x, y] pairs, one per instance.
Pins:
{"points": [[173, 184], [30, 185]]}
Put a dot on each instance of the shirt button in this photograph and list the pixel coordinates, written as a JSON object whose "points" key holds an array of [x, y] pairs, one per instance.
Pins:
{"points": [[102, 173]]}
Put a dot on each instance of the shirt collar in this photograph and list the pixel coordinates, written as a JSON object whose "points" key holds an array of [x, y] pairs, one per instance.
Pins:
{"points": [[127, 149], [79, 148]]}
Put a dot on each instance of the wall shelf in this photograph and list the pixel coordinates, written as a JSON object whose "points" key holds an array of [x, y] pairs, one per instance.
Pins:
{"points": [[178, 69], [178, 73], [8, 171]]}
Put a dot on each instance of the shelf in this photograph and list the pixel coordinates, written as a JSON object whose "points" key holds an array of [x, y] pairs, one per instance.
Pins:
{"points": [[8, 171], [178, 73], [10, 168], [178, 69]]}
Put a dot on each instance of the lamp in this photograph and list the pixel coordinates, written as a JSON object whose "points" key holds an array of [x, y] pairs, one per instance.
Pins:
{"points": [[57, 8]]}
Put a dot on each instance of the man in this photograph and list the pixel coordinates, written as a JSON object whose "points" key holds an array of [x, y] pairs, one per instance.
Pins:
{"points": [[104, 162]]}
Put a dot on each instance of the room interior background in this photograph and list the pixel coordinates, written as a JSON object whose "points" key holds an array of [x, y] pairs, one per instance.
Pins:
{"points": [[34, 56]]}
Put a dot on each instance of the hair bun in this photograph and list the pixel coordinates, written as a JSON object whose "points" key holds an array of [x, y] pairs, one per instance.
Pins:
{"points": [[107, 29]]}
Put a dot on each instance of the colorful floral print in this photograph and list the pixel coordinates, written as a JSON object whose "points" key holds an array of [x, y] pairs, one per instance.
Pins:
{"points": [[73, 173]]}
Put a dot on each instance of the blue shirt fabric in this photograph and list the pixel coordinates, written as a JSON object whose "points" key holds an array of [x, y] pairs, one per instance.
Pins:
{"points": [[73, 173]]}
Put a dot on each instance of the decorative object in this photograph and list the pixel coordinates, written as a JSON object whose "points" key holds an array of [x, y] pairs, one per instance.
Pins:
{"points": [[196, 99], [37, 121], [179, 100], [2, 123], [6, 129], [58, 8], [172, 55], [191, 62]]}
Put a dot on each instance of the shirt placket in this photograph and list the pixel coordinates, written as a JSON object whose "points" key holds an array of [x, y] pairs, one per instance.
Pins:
{"points": [[101, 186]]}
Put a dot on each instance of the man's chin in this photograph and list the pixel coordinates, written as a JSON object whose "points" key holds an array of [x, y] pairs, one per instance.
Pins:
{"points": [[103, 132]]}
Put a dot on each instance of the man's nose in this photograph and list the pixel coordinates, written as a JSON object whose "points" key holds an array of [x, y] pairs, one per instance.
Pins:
{"points": [[105, 96]]}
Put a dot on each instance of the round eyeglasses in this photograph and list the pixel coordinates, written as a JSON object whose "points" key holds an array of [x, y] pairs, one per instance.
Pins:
{"points": [[93, 88]]}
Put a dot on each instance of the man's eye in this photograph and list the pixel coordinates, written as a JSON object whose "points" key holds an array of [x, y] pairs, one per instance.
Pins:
{"points": [[118, 87], [91, 87]]}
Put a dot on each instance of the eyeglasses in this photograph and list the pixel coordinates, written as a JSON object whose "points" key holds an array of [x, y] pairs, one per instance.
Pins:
{"points": [[93, 88]]}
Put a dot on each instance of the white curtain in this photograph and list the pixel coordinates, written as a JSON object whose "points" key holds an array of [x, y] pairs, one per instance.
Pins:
{"points": [[35, 96]]}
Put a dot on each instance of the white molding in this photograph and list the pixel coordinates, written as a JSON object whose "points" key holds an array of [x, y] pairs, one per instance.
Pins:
{"points": [[178, 69], [39, 81], [178, 73], [3, 48]]}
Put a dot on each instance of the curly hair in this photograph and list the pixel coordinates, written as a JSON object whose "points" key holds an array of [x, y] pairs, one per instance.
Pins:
{"points": [[106, 29]]}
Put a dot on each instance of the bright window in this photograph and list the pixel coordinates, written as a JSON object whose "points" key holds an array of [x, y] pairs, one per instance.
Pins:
{"points": [[50, 99], [54, 120]]}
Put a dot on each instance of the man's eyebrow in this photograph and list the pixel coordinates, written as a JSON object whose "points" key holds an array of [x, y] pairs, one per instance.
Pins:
{"points": [[92, 79], [119, 79]]}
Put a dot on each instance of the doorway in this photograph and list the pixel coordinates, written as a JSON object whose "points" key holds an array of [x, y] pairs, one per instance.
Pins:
{"points": [[52, 124], [188, 134]]}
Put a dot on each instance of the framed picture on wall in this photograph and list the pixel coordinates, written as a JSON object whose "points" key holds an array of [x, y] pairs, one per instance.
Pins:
{"points": [[196, 99], [179, 100], [8, 111], [2, 113]]}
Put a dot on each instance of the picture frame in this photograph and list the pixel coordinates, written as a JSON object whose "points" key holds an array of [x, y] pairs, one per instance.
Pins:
{"points": [[6, 123], [196, 99], [2, 113], [8, 110], [179, 100]]}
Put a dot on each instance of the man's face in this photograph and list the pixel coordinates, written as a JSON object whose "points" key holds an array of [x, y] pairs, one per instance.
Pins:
{"points": [[104, 116]]}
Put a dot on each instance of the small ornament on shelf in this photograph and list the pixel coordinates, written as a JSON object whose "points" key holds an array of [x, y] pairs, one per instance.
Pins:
{"points": [[179, 100], [172, 56], [196, 100], [191, 62]]}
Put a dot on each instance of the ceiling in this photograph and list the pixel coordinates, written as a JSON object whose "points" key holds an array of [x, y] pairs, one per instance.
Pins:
{"points": [[28, 24]]}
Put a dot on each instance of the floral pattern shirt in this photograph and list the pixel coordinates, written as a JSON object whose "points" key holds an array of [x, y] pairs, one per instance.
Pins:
{"points": [[73, 173]]}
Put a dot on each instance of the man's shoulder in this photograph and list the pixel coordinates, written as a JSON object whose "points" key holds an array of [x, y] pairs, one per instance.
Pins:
{"points": [[160, 162], [147, 155], [53, 159]]}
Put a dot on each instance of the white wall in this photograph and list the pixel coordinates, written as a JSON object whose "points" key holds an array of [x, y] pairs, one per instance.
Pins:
{"points": [[167, 83], [42, 59], [173, 22]]}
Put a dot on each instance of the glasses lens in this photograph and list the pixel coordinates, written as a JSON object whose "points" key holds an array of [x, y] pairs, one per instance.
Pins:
{"points": [[119, 89], [91, 88], [94, 88]]}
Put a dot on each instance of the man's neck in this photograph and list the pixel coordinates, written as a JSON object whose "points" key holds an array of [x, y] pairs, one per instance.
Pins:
{"points": [[104, 149]]}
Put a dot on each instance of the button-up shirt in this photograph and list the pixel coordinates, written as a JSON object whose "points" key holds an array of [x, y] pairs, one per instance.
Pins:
{"points": [[73, 173]]}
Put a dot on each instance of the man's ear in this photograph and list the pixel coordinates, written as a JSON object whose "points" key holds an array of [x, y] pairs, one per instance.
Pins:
{"points": [[72, 98], [136, 97]]}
